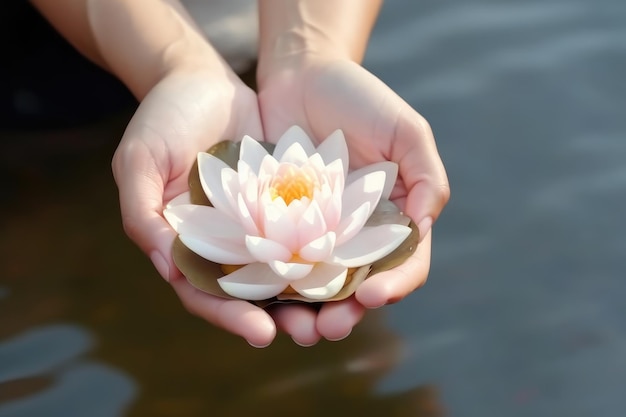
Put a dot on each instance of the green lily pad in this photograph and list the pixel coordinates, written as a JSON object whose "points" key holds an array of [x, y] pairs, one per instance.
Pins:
{"points": [[203, 274]]}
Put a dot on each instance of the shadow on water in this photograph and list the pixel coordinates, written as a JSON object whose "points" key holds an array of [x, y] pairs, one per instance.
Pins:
{"points": [[90, 329]]}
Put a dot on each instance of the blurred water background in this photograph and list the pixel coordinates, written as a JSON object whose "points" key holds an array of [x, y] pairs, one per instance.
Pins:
{"points": [[523, 314]]}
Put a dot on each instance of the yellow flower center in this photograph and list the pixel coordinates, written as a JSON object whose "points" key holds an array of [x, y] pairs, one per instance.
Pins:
{"points": [[292, 184]]}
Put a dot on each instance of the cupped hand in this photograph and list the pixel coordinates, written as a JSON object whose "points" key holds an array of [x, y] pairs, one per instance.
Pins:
{"points": [[323, 95], [186, 112]]}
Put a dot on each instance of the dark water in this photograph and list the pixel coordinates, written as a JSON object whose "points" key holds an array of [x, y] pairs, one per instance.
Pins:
{"points": [[524, 311]]}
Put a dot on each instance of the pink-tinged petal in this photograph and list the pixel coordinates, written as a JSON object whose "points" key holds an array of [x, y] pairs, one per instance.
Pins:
{"points": [[367, 188], [266, 250], [280, 227], [179, 200], [390, 169], [353, 223], [319, 249], [316, 163], [203, 222], [311, 224], [295, 154], [369, 245], [210, 170], [323, 282], [245, 217], [269, 166], [253, 282], [230, 184], [220, 251], [249, 188], [335, 174], [252, 152], [294, 134], [296, 209], [290, 271], [334, 147], [332, 200]]}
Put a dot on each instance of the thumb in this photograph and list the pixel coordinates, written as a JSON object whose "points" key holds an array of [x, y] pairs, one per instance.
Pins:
{"points": [[421, 170]]}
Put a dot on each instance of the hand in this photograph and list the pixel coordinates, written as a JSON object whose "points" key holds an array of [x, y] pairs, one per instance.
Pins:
{"points": [[322, 95], [186, 112]]}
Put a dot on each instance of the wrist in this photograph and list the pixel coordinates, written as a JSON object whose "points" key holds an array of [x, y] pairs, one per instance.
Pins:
{"points": [[295, 33], [294, 64]]}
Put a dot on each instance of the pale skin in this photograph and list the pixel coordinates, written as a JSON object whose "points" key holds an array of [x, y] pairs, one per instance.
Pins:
{"points": [[308, 74]]}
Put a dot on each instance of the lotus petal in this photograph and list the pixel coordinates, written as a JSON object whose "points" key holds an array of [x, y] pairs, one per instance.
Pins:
{"points": [[253, 282], [266, 250], [330, 202], [252, 152], [390, 169], [334, 147], [316, 163], [353, 223], [318, 249], [203, 222], [290, 271], [296, 209], [219, 250], [179, 200], [294, 134], [311, 224], [268, 168], [295, 154], [367, 188], [324, 281], [370, 244], [210, 169], [279, 226], [245, 218], [249, 186]]}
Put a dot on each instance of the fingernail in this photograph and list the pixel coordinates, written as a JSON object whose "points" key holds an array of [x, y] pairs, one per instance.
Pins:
{"points": [[160, 264], [424, 226], [258, 346], [339, 338], [304, 345]]}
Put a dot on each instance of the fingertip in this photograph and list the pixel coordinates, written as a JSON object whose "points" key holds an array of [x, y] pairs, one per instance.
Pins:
{"points": [[336, 319], [298, 321], [424, 227], [375, 291], [161, 265], [391, 286], [249, 321], [235, 316]]}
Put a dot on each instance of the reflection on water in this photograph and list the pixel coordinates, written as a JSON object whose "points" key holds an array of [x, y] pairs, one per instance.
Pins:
{"points": [[523, 314], [43, 375]]}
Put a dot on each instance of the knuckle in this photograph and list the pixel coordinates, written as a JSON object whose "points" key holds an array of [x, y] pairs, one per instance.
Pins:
{"points": [[131, 227], [443, 193]]}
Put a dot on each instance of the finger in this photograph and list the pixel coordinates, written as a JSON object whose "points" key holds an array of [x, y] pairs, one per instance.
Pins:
{"points": [[140, 184], [297, 320], [420, 168], [236, 316], [336, 319], [393, 285]]}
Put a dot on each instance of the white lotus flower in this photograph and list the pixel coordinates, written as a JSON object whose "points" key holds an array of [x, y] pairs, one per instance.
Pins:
{"points": [[293, 218]]}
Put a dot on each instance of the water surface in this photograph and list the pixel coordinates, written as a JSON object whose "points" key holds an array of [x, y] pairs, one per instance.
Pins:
{"points": [[523, 312]]}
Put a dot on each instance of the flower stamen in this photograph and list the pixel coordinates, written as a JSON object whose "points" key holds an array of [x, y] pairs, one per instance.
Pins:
{"points": [[292, 183]]}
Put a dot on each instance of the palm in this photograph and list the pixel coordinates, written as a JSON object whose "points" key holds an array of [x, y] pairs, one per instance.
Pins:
{"points": [[181, 116], [378, 126]]}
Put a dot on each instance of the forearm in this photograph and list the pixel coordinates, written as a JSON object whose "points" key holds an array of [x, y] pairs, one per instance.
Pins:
{"points": [[333, 28], [137, 40]]}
